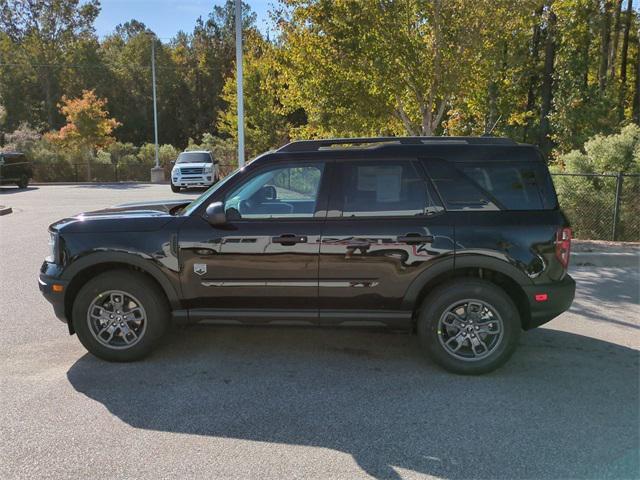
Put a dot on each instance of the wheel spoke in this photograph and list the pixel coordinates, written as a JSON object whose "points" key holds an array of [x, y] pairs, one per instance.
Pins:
{"points": [[133, 314], [111, 330], [126, 331], [459, 338], [492, 328], [453, 320], [475, 341]]}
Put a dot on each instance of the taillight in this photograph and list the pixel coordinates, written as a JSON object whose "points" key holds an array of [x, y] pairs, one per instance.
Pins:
{"points": [[563, 246]]}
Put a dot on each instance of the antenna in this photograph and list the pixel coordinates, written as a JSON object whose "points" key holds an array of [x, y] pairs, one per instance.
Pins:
{"points": [[488, 134]]}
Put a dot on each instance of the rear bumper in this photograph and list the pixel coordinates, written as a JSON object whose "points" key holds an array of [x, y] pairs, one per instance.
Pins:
{"points": [[559, 298]]}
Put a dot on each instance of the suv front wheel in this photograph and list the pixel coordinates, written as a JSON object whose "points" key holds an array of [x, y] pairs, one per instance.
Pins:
{"points": [[120, 316], [469, 326]]}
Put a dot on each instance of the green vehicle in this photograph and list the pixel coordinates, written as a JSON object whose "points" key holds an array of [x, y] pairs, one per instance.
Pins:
{"points": [[15, 168]]}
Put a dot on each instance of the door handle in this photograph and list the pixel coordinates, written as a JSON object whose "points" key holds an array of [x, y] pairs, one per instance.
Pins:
{"points": [[289, 239], [415, 238]]}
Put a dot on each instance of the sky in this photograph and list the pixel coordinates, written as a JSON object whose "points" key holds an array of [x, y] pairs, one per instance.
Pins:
{"points": [[167, 17]]}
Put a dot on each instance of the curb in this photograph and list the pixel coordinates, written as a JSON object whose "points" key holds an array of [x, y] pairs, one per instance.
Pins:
{"points": [[603, 259], [53, 184], [5, 210]]}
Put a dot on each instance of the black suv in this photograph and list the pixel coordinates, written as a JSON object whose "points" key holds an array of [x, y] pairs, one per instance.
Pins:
{"points": [[458, 239]]}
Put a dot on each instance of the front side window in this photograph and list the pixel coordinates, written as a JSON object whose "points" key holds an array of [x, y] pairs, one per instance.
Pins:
{"points": [[278, 192], [381, 189]]}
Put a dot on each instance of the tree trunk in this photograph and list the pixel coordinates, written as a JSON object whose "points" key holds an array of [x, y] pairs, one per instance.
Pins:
{"points": [[48, 96], [546, 93], [613, 51], [623, 60], [533, 74], [605, 38]]}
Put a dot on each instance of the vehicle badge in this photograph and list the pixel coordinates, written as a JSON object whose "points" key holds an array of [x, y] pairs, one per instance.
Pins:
{"points": [[200, 268]]}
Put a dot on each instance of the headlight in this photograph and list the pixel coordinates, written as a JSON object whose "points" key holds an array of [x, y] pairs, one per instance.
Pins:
{"points": [[54, 248], [208, 168]]}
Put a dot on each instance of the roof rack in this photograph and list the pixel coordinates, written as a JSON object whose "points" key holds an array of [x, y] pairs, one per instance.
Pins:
{"points": [[314, 145]]}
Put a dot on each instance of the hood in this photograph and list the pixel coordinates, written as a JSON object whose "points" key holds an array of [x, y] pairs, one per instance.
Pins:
{"points": [[127, 217], [193, 165]]}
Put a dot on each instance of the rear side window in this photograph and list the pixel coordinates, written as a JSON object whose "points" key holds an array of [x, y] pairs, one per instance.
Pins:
{"points": [[515, 186], [381, 188], [493, 185]]}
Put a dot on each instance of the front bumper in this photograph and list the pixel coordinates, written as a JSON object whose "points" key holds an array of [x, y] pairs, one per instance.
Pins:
{"points": [[194, 181], [559, 298], [55, 298]]}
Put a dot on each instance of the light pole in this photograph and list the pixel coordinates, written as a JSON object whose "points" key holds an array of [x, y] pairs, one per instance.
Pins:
{"points": [[157, 172], [239, 93]]}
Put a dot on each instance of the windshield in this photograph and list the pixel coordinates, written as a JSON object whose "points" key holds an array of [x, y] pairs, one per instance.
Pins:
{"points": [[193, 206], [194, 157]]}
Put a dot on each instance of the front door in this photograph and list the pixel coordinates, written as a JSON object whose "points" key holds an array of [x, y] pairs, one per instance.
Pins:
{"points": [[384, 227], [265, 260]]}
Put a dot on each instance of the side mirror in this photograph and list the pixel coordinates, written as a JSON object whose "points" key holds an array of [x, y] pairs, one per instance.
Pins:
{"points": [[215, 214]]}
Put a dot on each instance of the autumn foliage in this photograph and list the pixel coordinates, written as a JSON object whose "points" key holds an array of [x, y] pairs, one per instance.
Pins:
{"points": [[88, 124]]}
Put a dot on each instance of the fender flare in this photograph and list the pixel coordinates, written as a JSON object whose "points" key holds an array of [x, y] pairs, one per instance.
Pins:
{"points": [[450, 264], [144, 263]]}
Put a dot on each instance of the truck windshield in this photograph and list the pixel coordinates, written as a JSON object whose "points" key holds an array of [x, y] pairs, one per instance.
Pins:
{"points": [[194, 157]]}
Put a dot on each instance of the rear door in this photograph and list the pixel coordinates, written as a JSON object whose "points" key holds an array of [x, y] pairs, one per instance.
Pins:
{"points": [[385, 226]]}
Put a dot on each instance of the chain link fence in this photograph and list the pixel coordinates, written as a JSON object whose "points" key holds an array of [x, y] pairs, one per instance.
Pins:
{"points": [[601, 206], [64, 171]]}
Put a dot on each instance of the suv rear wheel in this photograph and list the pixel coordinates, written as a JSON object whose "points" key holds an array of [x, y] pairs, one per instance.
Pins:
{"points": [[120, 316], [469, 326]]}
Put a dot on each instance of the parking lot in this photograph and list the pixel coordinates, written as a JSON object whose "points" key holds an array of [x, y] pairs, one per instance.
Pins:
{"points": [[284, 402]]}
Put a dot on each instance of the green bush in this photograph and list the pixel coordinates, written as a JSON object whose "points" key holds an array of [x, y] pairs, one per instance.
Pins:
{"points": [[589, 201]]}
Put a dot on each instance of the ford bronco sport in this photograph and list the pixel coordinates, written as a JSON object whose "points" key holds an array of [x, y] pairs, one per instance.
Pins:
{"points": [[459, 240]]}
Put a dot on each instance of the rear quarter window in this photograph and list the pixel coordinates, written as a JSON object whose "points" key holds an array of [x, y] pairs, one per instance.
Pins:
{"points": [[493, 185]]}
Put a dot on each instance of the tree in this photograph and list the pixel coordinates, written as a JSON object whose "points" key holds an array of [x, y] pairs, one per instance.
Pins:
{"points": [[381, 67], [39, 35], [88, 125]]}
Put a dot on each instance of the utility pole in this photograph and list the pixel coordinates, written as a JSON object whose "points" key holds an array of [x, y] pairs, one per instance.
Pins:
{"points": [[239, 93], [157, 172]]}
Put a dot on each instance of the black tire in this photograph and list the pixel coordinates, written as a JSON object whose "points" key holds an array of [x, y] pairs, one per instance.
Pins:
{"points": [[459, 290], [149, 295], [23, 182], [174, 188]]}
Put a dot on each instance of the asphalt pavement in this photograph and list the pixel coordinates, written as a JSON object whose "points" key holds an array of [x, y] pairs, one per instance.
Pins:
{"points": [[284, 402]]}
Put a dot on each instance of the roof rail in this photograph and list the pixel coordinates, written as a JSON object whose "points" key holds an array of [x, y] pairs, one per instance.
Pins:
{"points": [[314, 145]]}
